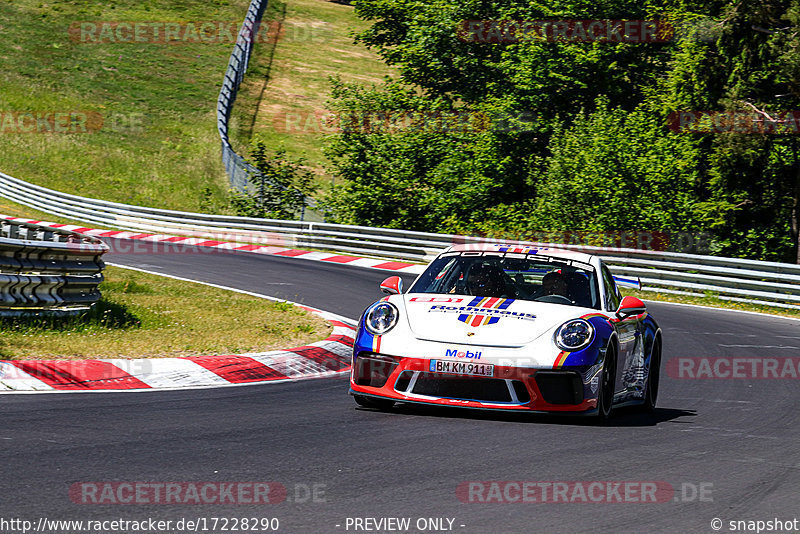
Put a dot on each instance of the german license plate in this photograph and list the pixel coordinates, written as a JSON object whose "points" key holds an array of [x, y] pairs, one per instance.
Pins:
{"points": [[462, 368]]}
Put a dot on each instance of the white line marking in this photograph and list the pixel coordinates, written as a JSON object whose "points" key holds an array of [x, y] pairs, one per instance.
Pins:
{"points": [[712, 308], [760, 346], [181, 388], [726, 334]]}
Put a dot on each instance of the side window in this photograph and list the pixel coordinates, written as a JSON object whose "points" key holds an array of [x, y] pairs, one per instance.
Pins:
{"points": [[611, 290]]}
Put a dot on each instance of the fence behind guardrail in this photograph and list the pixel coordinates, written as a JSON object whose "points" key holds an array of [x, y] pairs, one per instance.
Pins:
{"points": [[237, 168], [239, 171]]}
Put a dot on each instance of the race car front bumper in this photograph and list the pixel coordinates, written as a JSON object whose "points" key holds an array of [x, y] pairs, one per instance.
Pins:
{"points": [[563, 390]]}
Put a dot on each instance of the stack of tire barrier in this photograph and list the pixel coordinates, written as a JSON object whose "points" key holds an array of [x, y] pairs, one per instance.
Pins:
{"points": [[47, 270]]}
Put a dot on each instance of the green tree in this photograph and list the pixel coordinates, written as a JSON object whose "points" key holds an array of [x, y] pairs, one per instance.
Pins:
{"points": [[618, 170], [595, 152], [278, 190], [457, 181], [752, 184], [417, 163]]}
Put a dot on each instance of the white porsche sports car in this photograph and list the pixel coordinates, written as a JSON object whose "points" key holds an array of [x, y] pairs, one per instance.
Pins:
{"points": [[505, 327]]}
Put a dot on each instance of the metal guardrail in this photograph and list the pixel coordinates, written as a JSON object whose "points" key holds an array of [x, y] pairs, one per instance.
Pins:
{"points": [[774, 284], [45, 269], [240, 171]]}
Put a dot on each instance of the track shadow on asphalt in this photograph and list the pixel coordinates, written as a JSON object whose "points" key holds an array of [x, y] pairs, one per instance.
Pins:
{"points": [[623, 417]]}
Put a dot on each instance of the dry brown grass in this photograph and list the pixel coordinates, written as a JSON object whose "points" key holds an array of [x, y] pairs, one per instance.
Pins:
{"points": [[292, 76]]}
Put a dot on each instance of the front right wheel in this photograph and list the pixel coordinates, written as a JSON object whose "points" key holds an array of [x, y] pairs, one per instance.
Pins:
{"points": [[653, 376]]}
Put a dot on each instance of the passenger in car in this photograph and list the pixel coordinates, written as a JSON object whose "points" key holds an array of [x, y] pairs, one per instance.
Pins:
{"points": [[578, 289]]}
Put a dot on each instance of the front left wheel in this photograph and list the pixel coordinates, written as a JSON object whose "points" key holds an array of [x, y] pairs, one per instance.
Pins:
{"points": [[605, 397]]}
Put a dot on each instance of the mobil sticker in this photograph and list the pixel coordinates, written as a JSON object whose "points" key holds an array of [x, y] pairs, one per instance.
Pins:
{"points": [[455, 353]]}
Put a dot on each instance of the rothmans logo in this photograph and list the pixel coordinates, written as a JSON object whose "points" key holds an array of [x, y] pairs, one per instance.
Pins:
{"points": [[483, 311]]}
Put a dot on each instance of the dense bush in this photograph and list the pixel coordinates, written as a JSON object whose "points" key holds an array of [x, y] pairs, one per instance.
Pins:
{"points": [[573, 135]]}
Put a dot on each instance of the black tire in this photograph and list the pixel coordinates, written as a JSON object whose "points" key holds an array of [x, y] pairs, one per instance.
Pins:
{"points": [[372, 402], [653, 377], [605, 397]]}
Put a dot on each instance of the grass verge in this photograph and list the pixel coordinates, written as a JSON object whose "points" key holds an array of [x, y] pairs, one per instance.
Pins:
{"points": [[157, 144], [154, 102], [146, 316]]}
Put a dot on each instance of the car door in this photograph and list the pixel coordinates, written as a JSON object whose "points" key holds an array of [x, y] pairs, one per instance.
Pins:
{"points": [[629, 338]]}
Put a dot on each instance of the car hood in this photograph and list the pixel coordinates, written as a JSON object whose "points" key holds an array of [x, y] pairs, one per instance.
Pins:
{"points": [[487, 321]]}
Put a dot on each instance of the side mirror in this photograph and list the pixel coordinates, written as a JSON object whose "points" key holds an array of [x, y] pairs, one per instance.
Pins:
{"points": [[392, 285], [630, 306]]}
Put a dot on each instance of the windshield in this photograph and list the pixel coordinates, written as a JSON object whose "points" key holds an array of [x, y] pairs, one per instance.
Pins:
{"points": [[518, 276]]}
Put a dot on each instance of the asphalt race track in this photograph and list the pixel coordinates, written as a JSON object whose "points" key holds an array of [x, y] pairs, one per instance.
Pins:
{"points": [[728, 447]]}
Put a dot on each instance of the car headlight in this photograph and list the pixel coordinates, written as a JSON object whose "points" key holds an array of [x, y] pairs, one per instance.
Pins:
{"points": [[380, 318], [574, 335]]}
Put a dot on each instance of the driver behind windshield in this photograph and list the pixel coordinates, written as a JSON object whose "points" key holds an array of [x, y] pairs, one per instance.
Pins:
{"points": [[485, 280]]}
